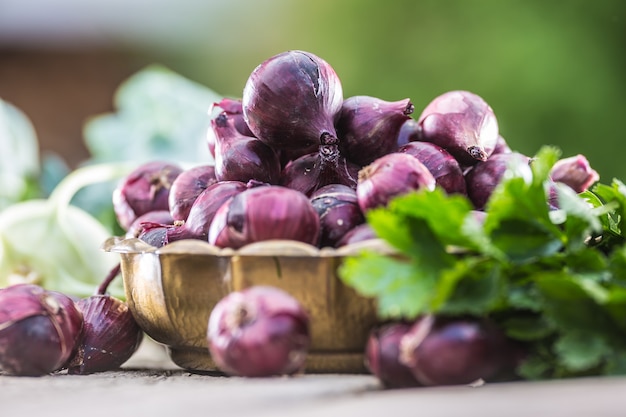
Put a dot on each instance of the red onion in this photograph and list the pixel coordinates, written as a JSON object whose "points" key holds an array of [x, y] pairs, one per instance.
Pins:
{"points": [[187, 187], [203, 211], [288, 155], [290, 101], [390, 176], [39, 330], [263, 213], [462, 123], [501, 146], [575, 172], [138, 226], [232, 107], [442, 351], [145, 189], [242, 158], [338, 209], [110, 337], [154, 234], [440, 163], [410, 131], [485, 176], [258, 332], [357, 234], [382, 356], [313, 171], [369, 127]]}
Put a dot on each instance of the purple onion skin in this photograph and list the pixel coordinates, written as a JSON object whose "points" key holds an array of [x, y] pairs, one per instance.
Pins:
{"points": [[382, 356], [575, 172], [187, 187], [369, 126], [203, 211], [552, 195], [260, 331], [457, 351], [338, 209], [291, 100], [263, 213], [242, 158], [326, 166], [462, 123], [502, 146], [410, 131], [110, 335], [390, 176], [440, 163], [358, 233], [145, 189], [288, 155], [230, 105], [154, 234], [138, 226], [233, 108], [484, 177], [39, 330]]}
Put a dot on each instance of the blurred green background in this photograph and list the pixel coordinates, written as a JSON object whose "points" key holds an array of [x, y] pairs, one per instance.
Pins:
{"points": [[553, 71]]}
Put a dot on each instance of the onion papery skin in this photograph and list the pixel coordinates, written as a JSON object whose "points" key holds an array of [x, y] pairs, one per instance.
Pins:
{"points": [[483, 178], [575, 172], [326, 166], [264, 213], [410, 131], [233, 108], [260, 331], [502, 146], [138, 226], [357, 234], [187, 187], [145, 189], [390, 176], [382, 356], [110, 335], [39, 330], [440, 163], [154, 234], [203, 211], [368, 127], [242, 158], [291, 99], [462, 123], [456, 351], [339, 212]]}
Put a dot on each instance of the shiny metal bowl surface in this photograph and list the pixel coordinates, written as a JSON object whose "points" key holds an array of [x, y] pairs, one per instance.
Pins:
{"points": [[172, 290]]}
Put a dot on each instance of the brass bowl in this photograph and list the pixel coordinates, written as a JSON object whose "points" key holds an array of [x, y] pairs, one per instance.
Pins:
{"points": [[172, 290]]}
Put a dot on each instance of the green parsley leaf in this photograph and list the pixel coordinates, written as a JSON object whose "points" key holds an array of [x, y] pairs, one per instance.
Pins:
{"points": [[400, 290], [577, 351]]}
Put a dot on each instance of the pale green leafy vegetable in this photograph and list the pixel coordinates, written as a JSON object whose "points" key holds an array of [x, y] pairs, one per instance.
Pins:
{"points": [[19, 155], [160, 115], [57, 245]]}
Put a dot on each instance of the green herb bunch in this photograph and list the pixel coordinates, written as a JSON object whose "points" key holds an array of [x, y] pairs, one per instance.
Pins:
{"points": [[554, 279]]}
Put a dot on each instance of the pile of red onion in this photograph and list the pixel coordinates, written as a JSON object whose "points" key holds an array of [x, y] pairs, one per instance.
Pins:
{"points": [[296, 160], [293, 160], [42, 331]]}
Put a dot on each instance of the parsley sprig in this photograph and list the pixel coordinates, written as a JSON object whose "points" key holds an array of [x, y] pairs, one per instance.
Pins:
{"points": [[555, 280]]}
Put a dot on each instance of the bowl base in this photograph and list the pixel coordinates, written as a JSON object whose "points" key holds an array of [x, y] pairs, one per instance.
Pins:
{"points": [[199, 360]]}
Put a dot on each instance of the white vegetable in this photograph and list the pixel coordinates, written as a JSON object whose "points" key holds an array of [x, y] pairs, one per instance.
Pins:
{"points": [[19, 158], [57, 245]]}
